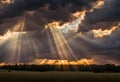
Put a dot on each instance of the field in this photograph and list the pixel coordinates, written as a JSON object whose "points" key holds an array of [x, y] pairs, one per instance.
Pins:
{"points": [[15, 76]]}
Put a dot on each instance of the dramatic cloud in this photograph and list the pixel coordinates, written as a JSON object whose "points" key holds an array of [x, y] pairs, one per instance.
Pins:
{"points": [[109, 12], [41, 12], [105, 17], [19, 6]]}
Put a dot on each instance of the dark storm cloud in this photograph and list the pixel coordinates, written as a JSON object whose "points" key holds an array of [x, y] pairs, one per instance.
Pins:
{"points": [[109, 12], [105, 17], [44, 11], [86, 27], [107, 47], [19, 6]]}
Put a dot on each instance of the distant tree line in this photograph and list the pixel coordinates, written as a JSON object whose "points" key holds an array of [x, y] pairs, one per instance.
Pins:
{"points": [[83, 68]]}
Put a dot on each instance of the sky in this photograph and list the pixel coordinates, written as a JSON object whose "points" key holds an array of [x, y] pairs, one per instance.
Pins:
{"points": [[71, 30]]}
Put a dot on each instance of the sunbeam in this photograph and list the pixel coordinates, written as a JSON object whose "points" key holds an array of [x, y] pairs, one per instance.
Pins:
{"points": [[25, 46], [63, 48]]}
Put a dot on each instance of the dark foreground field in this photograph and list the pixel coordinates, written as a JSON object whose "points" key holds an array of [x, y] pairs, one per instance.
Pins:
{"points": [[58, 77]]}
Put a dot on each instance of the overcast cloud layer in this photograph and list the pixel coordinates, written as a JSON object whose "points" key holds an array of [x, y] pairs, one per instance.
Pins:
{"points": [[102, 18]]}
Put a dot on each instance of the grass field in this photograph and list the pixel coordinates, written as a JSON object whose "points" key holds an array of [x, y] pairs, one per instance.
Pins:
{"points": [[58, 77]]}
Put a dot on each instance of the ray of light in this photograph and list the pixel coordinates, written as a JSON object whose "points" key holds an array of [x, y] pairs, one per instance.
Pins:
{"points": [[35, 44], [23, 46], [63, 48], [13, 40], [81, 48], [51, 43]]}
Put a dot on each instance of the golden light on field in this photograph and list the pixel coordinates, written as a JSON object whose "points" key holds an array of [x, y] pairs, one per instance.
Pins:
{"points": [[2, 64], [7, 1], [62, 62], [55, 62]]}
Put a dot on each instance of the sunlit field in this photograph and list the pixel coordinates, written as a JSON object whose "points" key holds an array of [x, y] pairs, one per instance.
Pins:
{"points": [[14, 76]]}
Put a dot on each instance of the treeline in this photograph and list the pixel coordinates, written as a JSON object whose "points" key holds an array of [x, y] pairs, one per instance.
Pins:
{"points": [[83, 68]]}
